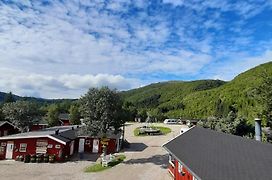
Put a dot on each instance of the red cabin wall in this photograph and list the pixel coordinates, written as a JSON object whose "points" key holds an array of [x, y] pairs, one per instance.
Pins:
{"points": [[9, 128], [37, 127], [31, 147], [177, 175], [88, 146], [65, 122]]}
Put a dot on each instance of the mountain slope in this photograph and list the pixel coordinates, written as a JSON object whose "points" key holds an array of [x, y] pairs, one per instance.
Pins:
{"points": [[204, 98]]}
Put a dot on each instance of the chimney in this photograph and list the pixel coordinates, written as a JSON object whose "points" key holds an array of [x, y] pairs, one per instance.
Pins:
{"points": [[57, 132], [258, 129]]}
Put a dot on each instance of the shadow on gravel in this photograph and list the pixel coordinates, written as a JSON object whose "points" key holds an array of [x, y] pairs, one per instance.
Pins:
{"points": [[85, 157], [160, 160], [135, 147]]}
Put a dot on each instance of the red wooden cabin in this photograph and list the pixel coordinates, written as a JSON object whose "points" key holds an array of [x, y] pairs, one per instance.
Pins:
{"points": [[94, 144], [52, 141], [7, 128], [64, 119], [206, 154]]}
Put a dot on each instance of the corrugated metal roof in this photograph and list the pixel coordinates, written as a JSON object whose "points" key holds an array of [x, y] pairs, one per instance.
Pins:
{"points": [[214, 155], [65, 134]]}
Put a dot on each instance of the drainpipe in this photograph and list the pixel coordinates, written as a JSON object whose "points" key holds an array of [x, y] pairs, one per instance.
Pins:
{"points": [[258, 129]]}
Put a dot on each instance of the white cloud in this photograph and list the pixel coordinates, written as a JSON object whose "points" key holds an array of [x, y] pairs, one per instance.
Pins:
{"points": [[228, 70], [65, 85], [61, 48]]}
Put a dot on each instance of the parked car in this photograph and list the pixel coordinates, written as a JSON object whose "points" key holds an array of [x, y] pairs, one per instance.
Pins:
{"points": [[171, 121]]}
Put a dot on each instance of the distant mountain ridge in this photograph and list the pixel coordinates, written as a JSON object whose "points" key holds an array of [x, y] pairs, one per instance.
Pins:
{"points": [[202, 98], [16, 97]]}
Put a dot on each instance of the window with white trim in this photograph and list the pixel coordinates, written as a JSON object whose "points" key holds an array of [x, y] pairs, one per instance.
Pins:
{"points": [[194, 178], [180, 167], [23, 147], [171, 160]]}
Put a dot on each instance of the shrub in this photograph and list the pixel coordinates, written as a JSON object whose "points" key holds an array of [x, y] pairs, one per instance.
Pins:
{"points": [[46, 158], [52, 158], [27, 158], [33, 158], [39, 158]]}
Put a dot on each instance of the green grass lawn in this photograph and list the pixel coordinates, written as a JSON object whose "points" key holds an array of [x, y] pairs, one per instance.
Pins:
{"points": [[163, 130], [98, 166]]}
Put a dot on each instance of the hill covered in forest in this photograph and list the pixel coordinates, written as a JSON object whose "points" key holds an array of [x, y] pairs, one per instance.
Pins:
{"points": [[203, 98]]}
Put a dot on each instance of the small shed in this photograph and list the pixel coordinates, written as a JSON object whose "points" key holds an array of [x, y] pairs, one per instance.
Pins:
{"points": [[64, 119], [7, 128], [39, 124], [56, 141], [94, 144]]}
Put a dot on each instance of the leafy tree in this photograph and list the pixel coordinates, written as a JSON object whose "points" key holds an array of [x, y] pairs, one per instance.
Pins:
{"points": [[265, 95], [231, 125], [21, 114], [2, 117], [9, 98], [101, 110], [52, 115], [142, 114], [74, 115]]}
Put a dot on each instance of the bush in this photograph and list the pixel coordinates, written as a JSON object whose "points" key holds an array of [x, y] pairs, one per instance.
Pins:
{"points": [[39, 158], [46, 158], [33, 158], [52, 158], [17, 158], [27, 158]]}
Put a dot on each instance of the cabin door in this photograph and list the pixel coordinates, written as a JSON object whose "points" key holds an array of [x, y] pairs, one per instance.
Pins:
{"points": [[95, 145], [81, 145], [72, 148], [9, 150]]}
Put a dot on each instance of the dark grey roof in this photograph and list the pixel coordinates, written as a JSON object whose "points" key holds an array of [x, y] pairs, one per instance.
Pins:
{"points": [[110, 134], [40, 120], [212, 155], [64, 116]]}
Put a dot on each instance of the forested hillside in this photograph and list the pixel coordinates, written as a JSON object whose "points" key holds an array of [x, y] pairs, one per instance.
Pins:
{"points": [[204, 98]]}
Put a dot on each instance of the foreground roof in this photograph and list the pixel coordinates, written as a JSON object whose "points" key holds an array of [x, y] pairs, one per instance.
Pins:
{"points": [[214, 155]]}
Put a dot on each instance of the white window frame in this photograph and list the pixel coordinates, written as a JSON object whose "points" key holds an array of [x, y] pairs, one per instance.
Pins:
{"points": [[180, 166], [87, 141], [171, 159], [57, 146], [23, 147]]}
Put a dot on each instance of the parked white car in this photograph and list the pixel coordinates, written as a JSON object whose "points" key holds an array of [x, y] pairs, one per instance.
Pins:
{"points": [[171, 121]]}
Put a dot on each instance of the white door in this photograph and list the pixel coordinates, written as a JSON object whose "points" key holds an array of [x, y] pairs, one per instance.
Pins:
{"points": [[81, 145], [72, 148], [9, 150], [95, 145]]}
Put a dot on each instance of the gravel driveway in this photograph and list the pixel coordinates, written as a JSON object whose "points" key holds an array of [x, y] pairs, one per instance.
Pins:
{"points": [[146, 159]]}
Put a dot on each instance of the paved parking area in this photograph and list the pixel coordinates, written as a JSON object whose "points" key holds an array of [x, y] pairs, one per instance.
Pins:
{"points": [[146, 159]]}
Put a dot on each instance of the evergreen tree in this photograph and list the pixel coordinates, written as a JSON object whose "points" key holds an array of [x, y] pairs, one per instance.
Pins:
{"points": [[265, 95], [9, 98]]}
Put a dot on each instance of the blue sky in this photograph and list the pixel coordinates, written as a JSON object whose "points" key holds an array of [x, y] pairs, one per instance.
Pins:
{"points": [[60, 48]]}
